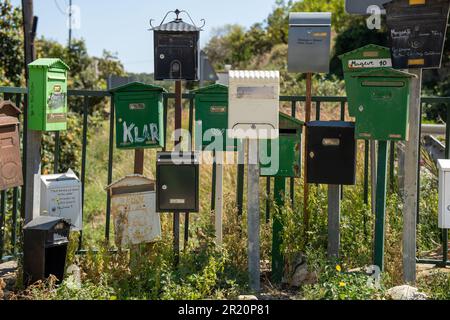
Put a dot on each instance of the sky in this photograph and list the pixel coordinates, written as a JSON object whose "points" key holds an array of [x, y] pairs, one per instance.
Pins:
{"points": [[122, 26]]}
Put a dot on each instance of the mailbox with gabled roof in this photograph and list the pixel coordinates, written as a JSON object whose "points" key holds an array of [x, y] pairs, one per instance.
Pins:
{"points": [[366, 58], [47, 96], [139, 116]]}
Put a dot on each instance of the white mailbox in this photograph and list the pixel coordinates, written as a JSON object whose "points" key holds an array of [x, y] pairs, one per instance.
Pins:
{"points": [[61, 197], [444, 194], [133, 207], [254, 104]]}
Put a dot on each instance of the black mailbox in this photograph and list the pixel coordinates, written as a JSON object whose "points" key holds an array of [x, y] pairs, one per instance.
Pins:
{"points": [[176, 50], [417, 31], [177, 179], [45, 249], [331, 152]]}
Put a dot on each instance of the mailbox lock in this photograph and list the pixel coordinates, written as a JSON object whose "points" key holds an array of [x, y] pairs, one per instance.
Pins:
{"points": [[164, 187], [448, 208], [162, 56], [361, 108], [312, 155]]}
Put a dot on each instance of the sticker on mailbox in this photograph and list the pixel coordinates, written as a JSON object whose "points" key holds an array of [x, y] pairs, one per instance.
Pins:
{"points": [[177, 201], [369, 63]]}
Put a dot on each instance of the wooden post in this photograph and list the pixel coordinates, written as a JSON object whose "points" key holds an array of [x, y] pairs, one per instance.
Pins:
{"points": [[177, 147], [277, 256], [219, 198], [334, 217], [32, 165], [308, 106], [253, 213], [139, 155], [380, 206], [412, 154]]}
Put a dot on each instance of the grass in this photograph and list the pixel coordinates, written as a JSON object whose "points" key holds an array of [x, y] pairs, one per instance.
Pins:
{"points": [[208, 272]]}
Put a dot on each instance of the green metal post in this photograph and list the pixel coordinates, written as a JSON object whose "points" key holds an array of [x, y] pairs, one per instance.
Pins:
{"points": [[392, 167], [380, 205], [213, 186], [240, 188], [277, 256], [366, 172]]}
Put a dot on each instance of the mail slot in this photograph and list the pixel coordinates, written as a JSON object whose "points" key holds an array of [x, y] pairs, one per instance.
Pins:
{"points": [[10, 161], [177, 182], [176, 47], [254, 104], [362, 7], [45, 249], [417, 31], [309, 42], [211, 118], [47, 98], [382, 100], [331, 152], [444, 194], [61, 197], [364, 59], [287, 162], [133, 207], [139, 116]]}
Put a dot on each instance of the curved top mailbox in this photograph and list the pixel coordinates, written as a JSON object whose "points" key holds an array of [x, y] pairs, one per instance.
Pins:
{"points": [[254, 103], [139, 116]]}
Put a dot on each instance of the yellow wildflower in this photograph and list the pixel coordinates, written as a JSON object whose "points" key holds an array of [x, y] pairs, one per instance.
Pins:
{"points": [[338, 268], [342, 284]]}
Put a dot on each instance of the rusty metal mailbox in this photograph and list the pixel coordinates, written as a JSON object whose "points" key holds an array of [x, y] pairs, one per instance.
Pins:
{"points": [[10, 162], [133, 203], [417, 32]]}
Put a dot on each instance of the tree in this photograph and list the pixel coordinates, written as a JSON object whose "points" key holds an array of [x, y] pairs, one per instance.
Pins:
{"points": [[11, 45]]}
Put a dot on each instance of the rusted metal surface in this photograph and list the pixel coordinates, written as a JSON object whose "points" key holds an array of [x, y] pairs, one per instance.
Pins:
{"points": [[10, 160], [133, 206]]}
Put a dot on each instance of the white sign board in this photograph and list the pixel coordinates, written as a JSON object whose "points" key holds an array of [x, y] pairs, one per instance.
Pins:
{"points": [[444, 194], [369, 63], [254, 104], [61, 197]]}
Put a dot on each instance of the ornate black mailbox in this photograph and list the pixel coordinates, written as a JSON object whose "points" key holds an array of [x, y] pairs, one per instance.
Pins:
{"points": [[176, 49], [45, 248], [331, 152], [417, 31]]}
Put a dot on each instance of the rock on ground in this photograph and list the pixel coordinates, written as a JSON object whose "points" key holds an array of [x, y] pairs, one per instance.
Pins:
{"points": [[406, 293], [7, 278]]}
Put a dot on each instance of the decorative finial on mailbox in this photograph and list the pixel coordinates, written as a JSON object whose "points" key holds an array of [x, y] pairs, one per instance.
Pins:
{"points": [[177, 12]]}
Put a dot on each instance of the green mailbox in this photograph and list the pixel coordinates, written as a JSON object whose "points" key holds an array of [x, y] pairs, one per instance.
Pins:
{"points": [[47, 96], [211, 118], [139, 116], [364, 59], [289, 142], [382, 97]]}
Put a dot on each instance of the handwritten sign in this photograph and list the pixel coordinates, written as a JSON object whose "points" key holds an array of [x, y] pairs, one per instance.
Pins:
{"points": [[369, 63]]}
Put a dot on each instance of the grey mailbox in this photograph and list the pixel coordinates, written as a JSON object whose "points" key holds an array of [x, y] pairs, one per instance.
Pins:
{"points": [[309, 42], [361, 6]]}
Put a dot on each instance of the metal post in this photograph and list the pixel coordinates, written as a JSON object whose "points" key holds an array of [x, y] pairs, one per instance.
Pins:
{"points": [[178, 126], [240, 179], [305, 171], [366, 171], [253, 218], [380, 206], [334, 217], [277, 256], [219, 198], [213, 184], [268, 193], [139, 155], [373, 172], [33, 140], [412, 147]]}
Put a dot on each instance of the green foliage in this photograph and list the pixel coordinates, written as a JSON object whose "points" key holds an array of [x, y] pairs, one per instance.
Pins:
{"points": [[333, 284], [11, 35], [436, 285]]}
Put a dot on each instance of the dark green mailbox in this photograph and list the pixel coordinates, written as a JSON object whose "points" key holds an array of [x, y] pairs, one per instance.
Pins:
{"points": [[47, 97], [382, 97], [139, 116], [211, 118], [289, 157], [367, 58]]}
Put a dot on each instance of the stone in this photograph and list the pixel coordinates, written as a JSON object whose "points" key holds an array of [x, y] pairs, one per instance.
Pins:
{"points": [[299, 274], [247, 298], [406, 293]]}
